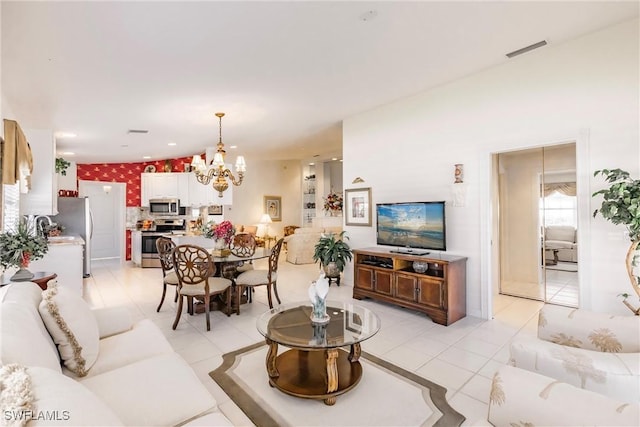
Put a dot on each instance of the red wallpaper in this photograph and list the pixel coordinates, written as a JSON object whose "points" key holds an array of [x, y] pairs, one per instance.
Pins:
{"points": [[129, 173]]}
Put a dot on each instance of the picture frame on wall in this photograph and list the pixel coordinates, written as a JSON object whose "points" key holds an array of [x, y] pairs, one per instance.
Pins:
{"points": [[273, 207], [357, 206], [215, 210]]}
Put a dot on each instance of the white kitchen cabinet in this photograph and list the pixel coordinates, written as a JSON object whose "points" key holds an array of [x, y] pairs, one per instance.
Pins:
{"points": [[164, 185], [205, 195], [66, 260], [42, 199], [136, 247]]}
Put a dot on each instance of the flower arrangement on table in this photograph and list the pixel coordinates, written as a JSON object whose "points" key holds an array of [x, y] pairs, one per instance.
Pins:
{"points": [[223, 231], [333, 202]]}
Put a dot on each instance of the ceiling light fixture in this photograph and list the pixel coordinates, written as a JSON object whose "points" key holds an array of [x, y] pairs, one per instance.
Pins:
{"points": [[172, 144], [217, 169]]}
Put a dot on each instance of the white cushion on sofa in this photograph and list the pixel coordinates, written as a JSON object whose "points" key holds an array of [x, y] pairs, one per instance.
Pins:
{"points": [[72, 326], [519, 397], [24, 339], [53, 399], [560, 232], [613, 374], [166, 391], [144, 340]]}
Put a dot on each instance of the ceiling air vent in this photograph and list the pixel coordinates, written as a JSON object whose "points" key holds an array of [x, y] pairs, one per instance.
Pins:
{"points": [[137, 131], [526, 49]]}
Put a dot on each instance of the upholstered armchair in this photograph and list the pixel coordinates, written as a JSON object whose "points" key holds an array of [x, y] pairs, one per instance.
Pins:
{"points": [[592, 351]]}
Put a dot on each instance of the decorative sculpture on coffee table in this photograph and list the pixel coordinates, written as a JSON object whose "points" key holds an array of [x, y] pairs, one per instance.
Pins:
{"points": [[318, 294]]}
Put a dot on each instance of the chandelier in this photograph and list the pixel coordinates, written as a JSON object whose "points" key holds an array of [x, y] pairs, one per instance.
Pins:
{"points": [[217, 171]]}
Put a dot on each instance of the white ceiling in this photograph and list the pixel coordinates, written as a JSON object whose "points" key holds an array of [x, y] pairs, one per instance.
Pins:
{"points": [[285, 73]]}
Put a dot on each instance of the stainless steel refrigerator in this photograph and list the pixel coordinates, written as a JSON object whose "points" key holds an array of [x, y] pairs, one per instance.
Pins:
{"points": [[74, 213]]}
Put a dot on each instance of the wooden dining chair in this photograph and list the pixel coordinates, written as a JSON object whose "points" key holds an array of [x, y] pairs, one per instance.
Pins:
{"points": [[260, 277], [165, 248], [195, 270]]}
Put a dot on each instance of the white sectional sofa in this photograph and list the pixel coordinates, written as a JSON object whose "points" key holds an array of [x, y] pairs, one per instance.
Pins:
{"points": [[127, 374]]}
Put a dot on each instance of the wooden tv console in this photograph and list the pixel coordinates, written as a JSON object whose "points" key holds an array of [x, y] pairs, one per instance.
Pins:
{"points": [[439, 292]]}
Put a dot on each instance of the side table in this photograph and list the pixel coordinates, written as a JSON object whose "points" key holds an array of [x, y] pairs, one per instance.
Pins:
{"points": [[40, 278]]}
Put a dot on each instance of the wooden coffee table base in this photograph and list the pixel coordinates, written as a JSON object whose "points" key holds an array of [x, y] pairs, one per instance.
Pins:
{"points": [[320, 374]]}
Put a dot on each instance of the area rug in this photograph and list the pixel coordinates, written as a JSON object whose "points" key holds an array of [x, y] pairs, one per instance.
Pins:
{"points": [[387, 395]]}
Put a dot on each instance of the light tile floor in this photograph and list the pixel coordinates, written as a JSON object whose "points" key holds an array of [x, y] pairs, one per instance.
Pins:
{"points": [[461, 357]]}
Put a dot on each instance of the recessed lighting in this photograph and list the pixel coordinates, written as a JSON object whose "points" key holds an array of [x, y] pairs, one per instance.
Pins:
{"points": [[311, 164], [146, 157], [172, 144], [334, 158], [68, 153], [369, 15], [137, 131], [340, 159], [66, 135], [233, 147]]}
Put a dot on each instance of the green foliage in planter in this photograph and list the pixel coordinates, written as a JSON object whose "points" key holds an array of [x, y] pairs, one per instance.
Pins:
{"points": [[333, 248], [621, 204], [19, 241], [62, 165]]}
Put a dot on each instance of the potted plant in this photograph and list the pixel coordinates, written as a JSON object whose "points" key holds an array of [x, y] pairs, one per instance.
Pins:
{"points": [[62, 165], [333, 253], [621, 205], [19, 247]]}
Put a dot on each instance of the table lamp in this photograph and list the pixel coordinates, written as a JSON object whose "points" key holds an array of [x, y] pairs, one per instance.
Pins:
{"points": [[265, 220]]}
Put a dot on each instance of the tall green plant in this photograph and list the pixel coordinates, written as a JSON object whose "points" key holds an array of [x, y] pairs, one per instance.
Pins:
{"points": [[333, 248], [621, 206]]}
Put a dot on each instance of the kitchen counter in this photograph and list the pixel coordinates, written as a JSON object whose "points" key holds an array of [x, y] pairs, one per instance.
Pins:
{"points": [[65, 240]]}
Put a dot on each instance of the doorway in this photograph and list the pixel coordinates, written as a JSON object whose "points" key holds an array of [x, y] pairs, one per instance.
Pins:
{"points": [[538, 224], [107, 201]]}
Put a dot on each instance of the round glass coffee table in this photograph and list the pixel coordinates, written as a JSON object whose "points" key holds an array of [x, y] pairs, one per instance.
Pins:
{"points": [[316, 367]]}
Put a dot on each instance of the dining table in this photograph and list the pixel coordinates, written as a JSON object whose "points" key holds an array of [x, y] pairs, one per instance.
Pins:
{"points": [[225, 267]]}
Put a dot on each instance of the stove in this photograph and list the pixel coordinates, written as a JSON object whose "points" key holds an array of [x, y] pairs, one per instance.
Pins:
{"points": [[160, 227]]}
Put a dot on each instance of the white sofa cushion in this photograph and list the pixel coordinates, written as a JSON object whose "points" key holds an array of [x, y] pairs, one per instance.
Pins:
{"points": [[589, 330], [560, 232], [613, 374], [520, 397], [24, 339], [49, 399], [144, 340], [162, 390], [72, 326], [112, 320]]}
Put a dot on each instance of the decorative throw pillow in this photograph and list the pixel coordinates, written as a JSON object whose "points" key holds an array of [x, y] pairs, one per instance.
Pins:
{"points": [[73, 328], [37, 396]]}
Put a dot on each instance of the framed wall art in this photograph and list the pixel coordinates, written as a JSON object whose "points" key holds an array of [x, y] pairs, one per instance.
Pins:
{"points": [[215, 210], [273, 206], [357, 206]]}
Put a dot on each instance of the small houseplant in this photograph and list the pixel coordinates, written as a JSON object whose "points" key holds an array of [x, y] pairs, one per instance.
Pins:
{"points": [[621, 205], [20, 246], [62, 165], [332, 252]]}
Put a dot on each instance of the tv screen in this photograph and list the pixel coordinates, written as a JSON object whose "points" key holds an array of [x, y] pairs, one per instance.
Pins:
{"points": [[410, 226]]}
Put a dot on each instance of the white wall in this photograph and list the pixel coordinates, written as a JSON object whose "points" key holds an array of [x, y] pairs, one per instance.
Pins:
{"points": [[267, 178], [584, 90]]}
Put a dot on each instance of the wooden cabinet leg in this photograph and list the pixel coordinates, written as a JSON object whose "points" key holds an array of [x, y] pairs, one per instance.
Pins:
{"points": [[332, 370]]}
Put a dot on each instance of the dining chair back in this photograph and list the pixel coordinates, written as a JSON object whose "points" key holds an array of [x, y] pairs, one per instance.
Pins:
{"points": [[165, 247], [195, 270], [261, 277], [243, 245]]}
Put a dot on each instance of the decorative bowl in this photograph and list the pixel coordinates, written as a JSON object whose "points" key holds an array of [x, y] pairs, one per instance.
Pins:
{"points": [[420, 266]]}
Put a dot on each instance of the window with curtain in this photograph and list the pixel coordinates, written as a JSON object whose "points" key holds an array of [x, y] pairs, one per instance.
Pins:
{"points": [[559, 208]]}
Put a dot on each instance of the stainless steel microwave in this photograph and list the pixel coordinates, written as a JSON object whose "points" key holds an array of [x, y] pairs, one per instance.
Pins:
{"points": [[164, 206]]}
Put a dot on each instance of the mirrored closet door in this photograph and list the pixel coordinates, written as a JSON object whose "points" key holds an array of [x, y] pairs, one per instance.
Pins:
{"points": [[538, 247]]}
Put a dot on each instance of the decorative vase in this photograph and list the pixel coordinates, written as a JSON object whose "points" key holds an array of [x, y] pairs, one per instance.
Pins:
{"points": [[220, 248], [331, 270], [23, 275], [420, 266], [317, 295]]}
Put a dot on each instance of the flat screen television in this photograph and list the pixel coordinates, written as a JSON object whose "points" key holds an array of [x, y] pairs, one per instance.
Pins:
{"points": [[413, 227]]}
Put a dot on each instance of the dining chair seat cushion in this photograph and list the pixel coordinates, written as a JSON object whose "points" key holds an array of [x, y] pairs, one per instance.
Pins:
{"points": [[171, 278], [216, 285], [244, 267], [255, 277]]}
